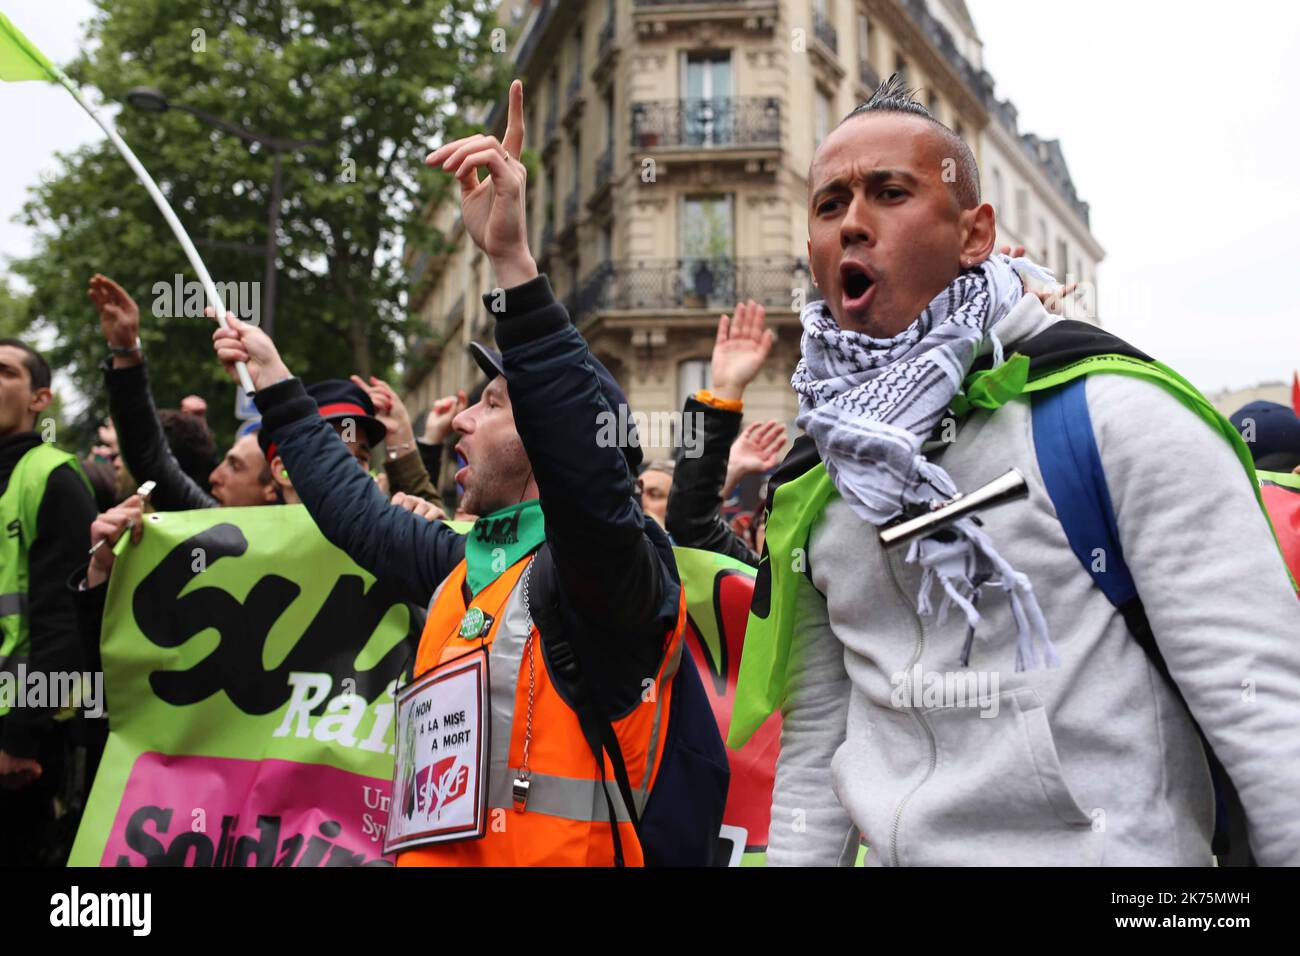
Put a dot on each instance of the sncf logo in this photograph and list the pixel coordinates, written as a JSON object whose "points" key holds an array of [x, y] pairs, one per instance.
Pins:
{"points": [[440, 784]]}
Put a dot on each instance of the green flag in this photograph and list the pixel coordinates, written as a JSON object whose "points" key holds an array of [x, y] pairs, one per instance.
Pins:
{"points": [[19, 58]]}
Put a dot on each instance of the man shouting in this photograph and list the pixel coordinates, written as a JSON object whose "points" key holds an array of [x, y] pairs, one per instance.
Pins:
{"points": [[1080, 745], [578, 711]]}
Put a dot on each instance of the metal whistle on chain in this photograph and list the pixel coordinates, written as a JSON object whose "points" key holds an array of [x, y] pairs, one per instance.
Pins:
{"points": [[519, 793], [999, 491]]}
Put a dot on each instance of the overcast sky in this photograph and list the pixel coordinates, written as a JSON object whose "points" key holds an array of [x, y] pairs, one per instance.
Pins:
{"points": [[1178, 121]]}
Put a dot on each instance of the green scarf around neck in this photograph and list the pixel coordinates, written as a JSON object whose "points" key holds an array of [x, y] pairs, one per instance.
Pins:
{"points": [[501, 539]]}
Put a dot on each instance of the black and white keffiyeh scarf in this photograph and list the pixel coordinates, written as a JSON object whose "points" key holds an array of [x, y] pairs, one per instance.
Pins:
{"points": [[870, 404]]}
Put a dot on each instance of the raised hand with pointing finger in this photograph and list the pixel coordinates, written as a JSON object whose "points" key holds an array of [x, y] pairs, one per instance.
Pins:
{"points": [[493, 208]]}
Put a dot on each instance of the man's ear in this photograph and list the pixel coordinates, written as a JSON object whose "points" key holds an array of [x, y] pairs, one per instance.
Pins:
{"points": [[279, 475], [979, 234], [41, 399]]}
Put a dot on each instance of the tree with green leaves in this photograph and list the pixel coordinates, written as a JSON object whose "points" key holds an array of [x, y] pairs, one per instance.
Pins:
{"points": [[379, 83], [13, 311]]}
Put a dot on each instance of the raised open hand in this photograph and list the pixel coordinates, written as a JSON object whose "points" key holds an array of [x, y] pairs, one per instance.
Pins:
{"points": [[758, 449], [119, 316], [740, 350]]}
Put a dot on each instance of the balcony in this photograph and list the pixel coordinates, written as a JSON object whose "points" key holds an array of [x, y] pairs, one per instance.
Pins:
{"points": [[656, 18], [602, 70], [690, 283], [724, 122], [824, 52], [825, 31]]}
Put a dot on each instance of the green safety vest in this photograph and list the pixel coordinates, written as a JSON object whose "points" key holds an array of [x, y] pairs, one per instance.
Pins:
{"points": [[19, 506], [797, 504]]}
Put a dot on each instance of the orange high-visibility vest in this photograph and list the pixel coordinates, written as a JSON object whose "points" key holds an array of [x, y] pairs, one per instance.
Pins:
{"points": [[566, 821]]}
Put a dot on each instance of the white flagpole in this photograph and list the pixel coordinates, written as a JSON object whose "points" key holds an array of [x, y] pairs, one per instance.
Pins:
{"points": [[214, 299]]}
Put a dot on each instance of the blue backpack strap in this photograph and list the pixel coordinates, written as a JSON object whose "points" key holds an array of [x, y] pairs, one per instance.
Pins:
{"points": [[1071, 468], [1070, 464]]}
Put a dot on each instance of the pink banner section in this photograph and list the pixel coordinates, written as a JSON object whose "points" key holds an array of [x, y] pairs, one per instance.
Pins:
{"points": [[218, 811]]}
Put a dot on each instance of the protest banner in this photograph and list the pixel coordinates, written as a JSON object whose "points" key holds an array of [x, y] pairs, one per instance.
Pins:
{"points": [[250, 669]]}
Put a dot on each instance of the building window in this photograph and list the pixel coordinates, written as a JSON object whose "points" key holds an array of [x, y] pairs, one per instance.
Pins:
{"points": [[707, 243], [822, 117], [933, 104], [1042, 240], [957, 128], [692, 375], [707, 110], [607, 243], [1022, 212], [900, 67], [996, 183], [864, 38], [1062, 259]]}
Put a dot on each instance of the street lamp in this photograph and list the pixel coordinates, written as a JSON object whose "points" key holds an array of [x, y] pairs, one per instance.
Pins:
{"points": [[147, 99]]}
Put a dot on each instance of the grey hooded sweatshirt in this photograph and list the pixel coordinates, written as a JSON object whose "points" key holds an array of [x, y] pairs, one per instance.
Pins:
{"points": [[888, 742]]}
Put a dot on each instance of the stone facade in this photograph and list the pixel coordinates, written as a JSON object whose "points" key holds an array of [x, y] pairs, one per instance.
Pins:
{"points": [[669, 147]]}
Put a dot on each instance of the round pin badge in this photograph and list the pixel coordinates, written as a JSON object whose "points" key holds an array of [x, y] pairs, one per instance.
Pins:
{"points": [[471, 625]]}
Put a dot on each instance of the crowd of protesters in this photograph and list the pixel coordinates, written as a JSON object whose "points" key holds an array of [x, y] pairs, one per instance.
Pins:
{"points": [[874, 383]]}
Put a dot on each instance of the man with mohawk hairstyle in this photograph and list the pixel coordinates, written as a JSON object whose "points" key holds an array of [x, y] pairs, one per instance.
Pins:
{"points": [[915, 383]]}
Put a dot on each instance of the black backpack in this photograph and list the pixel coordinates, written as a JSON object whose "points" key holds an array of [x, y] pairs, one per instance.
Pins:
{"points": [[683, 813]]}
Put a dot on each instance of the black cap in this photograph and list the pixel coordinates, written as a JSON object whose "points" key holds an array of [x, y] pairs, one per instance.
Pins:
{"points": [[1275, 432], [489, 362], [338, 400]]}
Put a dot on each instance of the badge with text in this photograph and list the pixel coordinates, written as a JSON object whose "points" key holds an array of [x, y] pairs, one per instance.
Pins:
{"points": [[440, 781]]}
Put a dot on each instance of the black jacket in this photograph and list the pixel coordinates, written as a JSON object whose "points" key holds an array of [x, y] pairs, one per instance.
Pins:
{"points": [[694, 516], [614, 570], [143, 444], [62, 539]]}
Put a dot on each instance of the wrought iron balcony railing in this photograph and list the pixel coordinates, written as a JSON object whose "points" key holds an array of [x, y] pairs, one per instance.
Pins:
{"points": [[706, 283], [715, 122], [824, 30]]}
